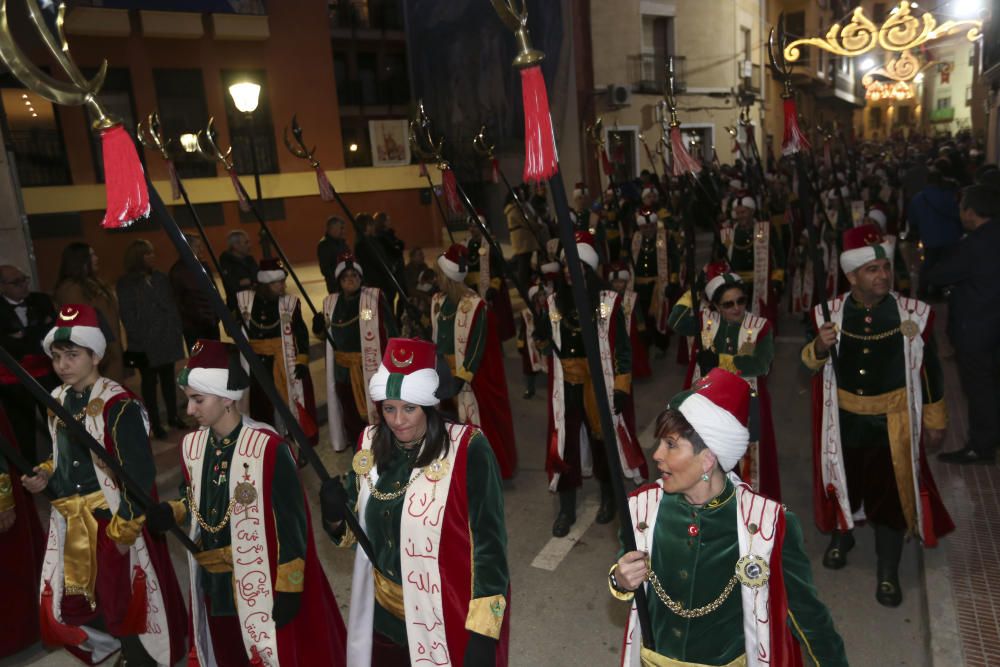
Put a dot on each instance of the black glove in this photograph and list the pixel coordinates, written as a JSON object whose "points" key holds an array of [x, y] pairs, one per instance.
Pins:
{"points": [[160, 518], [286, 606], [319, 325], [490, 293], [456, 384], [707, 360], [481, 651], [619, 403], [301, 371], [332, 500]]}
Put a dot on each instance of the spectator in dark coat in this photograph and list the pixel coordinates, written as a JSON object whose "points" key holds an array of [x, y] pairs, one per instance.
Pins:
{"points": [[974, 319], [373, 258], [198, 320], [933, 216], [239, 268], [25, 318], [153, 331], [329, 250], [412, 271]]}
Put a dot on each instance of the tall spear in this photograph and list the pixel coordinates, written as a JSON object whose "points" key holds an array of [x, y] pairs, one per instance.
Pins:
{"points": [[125, 166], [542, 163], [329, 193], [151, 136]]}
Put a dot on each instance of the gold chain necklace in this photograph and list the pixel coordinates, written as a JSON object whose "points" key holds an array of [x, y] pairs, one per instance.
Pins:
{"points": [[262, 327], [678, 608], [347, 323], [871, 337], [385, 497], [201, 521]]}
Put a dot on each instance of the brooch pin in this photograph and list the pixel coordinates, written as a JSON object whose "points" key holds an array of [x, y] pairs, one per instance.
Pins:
{"points": [[909, 328], [752, 571], [245, 494], [363, 462]]}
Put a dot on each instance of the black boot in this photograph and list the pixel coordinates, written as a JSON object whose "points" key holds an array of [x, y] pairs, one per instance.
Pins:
{"points": [[835, 556], [889, 549], [567, 513], [529, 386], [606, 512]]}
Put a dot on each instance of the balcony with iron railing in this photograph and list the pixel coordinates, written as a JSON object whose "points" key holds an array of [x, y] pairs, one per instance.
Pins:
{"points": [[648, 73]]}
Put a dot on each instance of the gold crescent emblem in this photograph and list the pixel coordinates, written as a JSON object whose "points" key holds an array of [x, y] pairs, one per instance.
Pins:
{"points": [[198, 347], [909, 328], [752, 571], [68, 314], [363, 462], [404, 362], [245, 494], [437, 470]]}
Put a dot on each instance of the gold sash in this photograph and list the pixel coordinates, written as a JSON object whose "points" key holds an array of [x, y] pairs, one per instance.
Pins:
{"points": [[216, 561], [894, 405], [576, 371], [80, 548], [649, 658], [352, 362], [272, 347], [389, 595]]}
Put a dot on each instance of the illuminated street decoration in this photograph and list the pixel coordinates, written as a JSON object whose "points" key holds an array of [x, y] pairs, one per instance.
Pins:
{"points": [[900, 32], [895, 91], [902, 68]]}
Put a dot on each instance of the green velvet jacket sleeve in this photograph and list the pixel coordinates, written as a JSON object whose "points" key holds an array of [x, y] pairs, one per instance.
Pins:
{"points": [[808, 617], [681, 318], [758, 363], [388, 319], [288, 506], [490, 574], [623, 350], [476, 346], [132, 448]]}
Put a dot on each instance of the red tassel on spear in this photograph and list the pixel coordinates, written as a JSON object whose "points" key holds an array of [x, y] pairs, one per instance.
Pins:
{"points": [[794, 139], [124, 179], [450, 187]]}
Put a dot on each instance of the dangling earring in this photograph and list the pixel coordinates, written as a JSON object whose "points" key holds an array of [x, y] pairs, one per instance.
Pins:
{"points": [[704, 476]]}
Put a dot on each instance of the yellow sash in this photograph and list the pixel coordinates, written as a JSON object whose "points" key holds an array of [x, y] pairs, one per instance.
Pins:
{"points": [[389, 595], [649, 658], [352, 362], [272, 347], [80, 548]]}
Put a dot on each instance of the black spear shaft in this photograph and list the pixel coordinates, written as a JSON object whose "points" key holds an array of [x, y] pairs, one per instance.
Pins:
{"points": [[588, 329], [437, 200], [260, 372], [201, 229], [17, 459], [79, 433], [520, 207]]}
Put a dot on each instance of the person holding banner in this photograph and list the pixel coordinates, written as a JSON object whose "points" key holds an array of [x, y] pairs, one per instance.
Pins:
{"points": [[274, 326], [575, 443], [360, 321], [107, 583], [242, 492], [732, 338], [465, 332], [438, 590], [725, 569]]}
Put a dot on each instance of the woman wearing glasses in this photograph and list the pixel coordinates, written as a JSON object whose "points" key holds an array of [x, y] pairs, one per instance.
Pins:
{"points": [[727, 336]]}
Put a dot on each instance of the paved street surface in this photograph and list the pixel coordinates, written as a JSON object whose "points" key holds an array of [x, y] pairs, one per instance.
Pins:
{"points": [[562, 612]]}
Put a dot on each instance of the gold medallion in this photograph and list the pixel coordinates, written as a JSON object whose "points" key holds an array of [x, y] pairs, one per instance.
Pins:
{"points": [[482, 251], [465, 306], [752, 571], [604, 311], [95, 407], [747, 348], [366, 314], [286, 319], [245, 494], [660, 243], [909, 328], [554, 316], [363, 462], [437, 470]]}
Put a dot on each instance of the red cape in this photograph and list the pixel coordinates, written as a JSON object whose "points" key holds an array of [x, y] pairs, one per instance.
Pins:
{"points": [[489, 384], [504, 311], [640, 355], [21, 550]]}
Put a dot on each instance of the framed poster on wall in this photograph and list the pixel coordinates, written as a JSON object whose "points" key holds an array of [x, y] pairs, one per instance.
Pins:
{"points": [[390, 142]]}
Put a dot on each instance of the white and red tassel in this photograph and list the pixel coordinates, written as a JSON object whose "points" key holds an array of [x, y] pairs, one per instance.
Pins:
{"points": [[175, 185], [495, 170], [325, 189], [683, 162], [794, 139], [244, 203], [450, 187], [541, 160], [124, 179]]}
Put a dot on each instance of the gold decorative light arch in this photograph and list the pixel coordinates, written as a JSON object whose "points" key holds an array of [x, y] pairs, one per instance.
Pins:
{"points": [[904, 67], [901, 32]]}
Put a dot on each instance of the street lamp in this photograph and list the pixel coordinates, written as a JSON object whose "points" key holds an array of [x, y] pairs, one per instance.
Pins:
{"points": [[246, 96]]}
